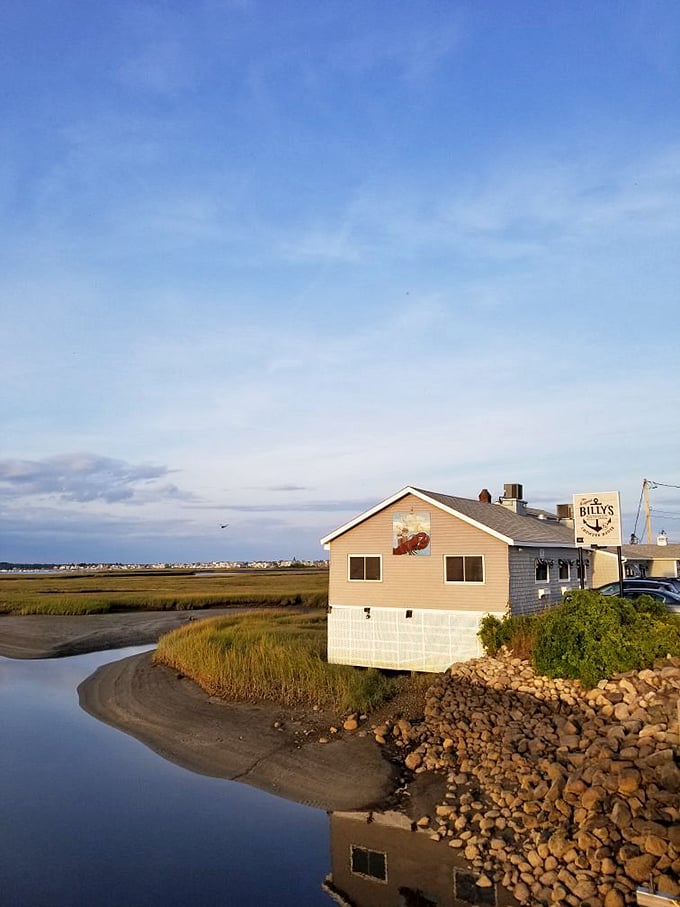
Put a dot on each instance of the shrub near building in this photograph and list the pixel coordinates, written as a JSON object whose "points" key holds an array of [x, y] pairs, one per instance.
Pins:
{"points": [[589, 637]]}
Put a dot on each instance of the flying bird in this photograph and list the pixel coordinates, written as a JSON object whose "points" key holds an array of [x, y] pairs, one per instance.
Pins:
{"points": [[223, 525]]}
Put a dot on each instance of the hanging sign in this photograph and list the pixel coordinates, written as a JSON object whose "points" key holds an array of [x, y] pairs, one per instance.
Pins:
{"points": [[597, 518]]}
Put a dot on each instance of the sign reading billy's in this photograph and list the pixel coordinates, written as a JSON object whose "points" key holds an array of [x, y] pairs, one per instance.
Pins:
{"points": [[597, 518]]}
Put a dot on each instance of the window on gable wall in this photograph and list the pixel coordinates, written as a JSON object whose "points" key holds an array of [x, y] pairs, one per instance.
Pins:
{"points": [[464, 568], [365, 567], [369, 863]]}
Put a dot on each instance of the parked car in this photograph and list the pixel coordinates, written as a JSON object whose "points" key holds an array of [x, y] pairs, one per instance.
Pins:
{"points": [[671, 581], [639, 583], [670, 599]]}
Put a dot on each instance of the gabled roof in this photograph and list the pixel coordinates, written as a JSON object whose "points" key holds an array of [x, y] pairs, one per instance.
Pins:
{"points": [[494, 519], [651, 552]]}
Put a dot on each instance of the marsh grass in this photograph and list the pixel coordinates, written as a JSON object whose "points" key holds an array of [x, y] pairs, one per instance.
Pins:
{"points": [[99, 593], [278, 657]]}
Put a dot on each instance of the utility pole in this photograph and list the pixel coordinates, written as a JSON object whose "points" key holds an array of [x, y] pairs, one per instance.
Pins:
{"points": [[645, 489]]}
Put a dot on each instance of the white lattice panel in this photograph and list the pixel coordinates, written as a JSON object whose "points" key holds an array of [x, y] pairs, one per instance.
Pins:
{"points": [[428, 640]]}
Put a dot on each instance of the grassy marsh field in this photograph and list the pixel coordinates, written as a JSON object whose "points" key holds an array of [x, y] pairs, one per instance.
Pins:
{"points": [[275, 656], [102, 592], [277, 653]]}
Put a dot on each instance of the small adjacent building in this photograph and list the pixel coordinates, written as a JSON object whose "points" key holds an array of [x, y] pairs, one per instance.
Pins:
{"points": [[659, 560], [411, 578]]}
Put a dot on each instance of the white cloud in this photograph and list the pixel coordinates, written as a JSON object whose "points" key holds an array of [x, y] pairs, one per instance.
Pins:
{"points": [[84, 477]]}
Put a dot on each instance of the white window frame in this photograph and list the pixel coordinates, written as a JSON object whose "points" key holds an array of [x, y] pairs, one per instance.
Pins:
{"points": [[364, 580], [547, 572], [464, 582], [561, 564]]}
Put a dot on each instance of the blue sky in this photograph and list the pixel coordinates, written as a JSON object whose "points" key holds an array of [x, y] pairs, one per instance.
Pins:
{"points": [[266, 263]]}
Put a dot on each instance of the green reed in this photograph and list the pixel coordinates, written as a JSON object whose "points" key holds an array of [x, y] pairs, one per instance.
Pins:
{"points": [[278, 657]]}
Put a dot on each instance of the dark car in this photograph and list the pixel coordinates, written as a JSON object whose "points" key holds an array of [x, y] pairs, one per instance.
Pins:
{"points": [[670, 599], [671, 581], [637, 590], [666, 583]]}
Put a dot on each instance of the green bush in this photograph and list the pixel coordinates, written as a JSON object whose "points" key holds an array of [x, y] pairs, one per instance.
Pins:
{"points": [[590, 636], [494, 633], [516, 633]]}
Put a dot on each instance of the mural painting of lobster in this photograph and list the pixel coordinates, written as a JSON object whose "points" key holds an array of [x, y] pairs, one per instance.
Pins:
{"points": [[412, 543]]}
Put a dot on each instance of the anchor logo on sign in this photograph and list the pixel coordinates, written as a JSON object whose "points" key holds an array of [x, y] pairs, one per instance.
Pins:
{"points": [[599, 525]]}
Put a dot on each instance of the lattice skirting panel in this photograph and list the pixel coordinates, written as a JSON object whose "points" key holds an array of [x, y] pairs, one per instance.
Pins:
{"points": [[415, 640]]}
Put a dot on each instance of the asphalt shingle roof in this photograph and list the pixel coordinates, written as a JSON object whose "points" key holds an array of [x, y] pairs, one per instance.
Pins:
{"points": [[520, 529], [651, 552]]}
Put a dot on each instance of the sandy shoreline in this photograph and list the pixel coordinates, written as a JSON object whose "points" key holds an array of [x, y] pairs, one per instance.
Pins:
{"points": [[57, 636], [237, 741], [175, 718]]}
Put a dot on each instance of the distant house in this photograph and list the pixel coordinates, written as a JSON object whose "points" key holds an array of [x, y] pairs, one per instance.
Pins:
{"points": [[662, 559], [411, 578]]}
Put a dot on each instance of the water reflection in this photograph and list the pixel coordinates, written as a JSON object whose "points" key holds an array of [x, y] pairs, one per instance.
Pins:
{"points": [[92, 817], [378, 861]]}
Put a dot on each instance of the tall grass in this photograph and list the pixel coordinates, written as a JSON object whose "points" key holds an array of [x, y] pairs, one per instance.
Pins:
{"points": [[278, 657]]}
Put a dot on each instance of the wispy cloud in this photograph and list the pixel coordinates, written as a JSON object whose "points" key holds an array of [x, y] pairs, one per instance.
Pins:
{"points": [[350, 505], [84, 477], [289, 487], [415, 54]]}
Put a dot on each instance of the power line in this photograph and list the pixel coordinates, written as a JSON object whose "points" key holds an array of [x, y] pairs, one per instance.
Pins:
{"points": [[666, 515]]}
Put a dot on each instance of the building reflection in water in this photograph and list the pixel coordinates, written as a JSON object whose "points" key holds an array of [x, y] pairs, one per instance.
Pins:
{"points": [[377, 860]]}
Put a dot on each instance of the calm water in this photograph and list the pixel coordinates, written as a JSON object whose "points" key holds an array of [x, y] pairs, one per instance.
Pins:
{"points": [[91, 817]]}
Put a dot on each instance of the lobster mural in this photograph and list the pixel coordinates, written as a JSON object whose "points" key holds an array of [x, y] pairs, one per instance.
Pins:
{"points": [[412, 543]]}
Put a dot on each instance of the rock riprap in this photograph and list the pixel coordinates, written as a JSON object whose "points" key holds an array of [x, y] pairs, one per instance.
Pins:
{"points": [[564, 795]]}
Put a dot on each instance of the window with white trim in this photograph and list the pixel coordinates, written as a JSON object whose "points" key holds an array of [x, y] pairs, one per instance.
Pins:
{"points": [[363, 567], [542, 571], [563, 571], [372, 864], [463, 568]]}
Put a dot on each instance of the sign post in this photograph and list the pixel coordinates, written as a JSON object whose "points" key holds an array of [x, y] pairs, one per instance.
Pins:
{"points": [[597, 522]]}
